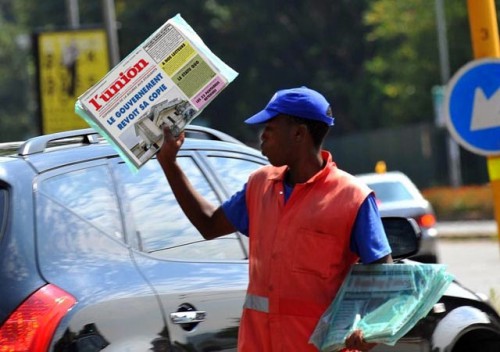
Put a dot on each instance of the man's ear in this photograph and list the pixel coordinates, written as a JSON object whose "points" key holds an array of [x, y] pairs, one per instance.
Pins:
{"points": [[301, 132]]}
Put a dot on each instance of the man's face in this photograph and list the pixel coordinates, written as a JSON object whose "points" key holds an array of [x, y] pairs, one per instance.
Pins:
{"points": [[277, 140]]}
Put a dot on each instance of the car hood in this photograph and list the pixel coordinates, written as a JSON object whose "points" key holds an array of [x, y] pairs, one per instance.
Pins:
{"points": [[456, 289], [403, 208]]}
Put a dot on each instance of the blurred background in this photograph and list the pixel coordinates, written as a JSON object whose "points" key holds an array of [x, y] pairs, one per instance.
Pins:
{"points": [[383, 65]]}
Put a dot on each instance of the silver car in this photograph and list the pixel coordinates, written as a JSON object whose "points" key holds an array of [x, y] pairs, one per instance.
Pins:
{"points": [[397, 195]]}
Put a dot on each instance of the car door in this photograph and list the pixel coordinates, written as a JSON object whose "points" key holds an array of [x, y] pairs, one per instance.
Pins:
{"points": [[201, 284], [82, 250]]}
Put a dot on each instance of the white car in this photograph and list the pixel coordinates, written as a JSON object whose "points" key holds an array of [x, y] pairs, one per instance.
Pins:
{"points": [[397, 195]]}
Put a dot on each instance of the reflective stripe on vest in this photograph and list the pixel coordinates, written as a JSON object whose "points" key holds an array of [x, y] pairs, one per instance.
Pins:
{"points": [[258, 303], [287, 306]]}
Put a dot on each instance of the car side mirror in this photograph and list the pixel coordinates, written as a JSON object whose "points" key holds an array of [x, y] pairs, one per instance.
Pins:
{"points": [[403, 235]]}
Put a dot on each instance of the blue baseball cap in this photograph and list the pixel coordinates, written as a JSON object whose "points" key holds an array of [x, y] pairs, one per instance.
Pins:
{"points": [[299, 102]]}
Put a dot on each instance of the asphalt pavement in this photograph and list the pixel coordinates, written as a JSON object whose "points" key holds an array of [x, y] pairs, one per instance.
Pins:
{"points": [[468, 229]]}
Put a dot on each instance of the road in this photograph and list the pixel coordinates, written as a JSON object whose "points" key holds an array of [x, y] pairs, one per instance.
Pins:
{"points": [[474, 262], [467, 229]]}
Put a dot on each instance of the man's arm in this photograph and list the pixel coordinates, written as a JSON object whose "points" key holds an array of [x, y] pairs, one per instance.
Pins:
{"points": [[368, 238], [368, 222], [209, 219]]}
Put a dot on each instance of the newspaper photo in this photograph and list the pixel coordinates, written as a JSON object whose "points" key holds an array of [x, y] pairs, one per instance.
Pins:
{"points": [[166, 81], [383, 300]]}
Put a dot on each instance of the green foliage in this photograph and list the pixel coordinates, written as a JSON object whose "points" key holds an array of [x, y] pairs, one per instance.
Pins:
{"points": [[272, 45], [405, 64], [15, 72], [375, 60], [473, 202]]}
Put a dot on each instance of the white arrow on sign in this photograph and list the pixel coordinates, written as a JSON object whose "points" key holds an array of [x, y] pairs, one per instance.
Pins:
{"points": [[486, 112]]}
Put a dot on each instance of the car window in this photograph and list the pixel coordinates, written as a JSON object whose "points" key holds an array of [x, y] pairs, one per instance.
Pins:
{"points": [[89, 194], [233, 171], [390, 191], [162, 226]]}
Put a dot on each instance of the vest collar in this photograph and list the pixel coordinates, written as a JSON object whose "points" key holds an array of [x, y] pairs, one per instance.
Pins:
{"points": [[278, 174]]}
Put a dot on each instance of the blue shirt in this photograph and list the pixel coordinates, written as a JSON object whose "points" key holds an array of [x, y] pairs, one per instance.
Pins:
{"points": [[368, 239]]}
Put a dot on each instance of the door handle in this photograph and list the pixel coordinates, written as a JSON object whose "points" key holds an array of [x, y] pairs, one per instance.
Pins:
{"points": [[188, 317]]}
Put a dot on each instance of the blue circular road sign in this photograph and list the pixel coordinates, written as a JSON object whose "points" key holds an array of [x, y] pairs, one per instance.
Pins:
{"points": [[472, 106]]}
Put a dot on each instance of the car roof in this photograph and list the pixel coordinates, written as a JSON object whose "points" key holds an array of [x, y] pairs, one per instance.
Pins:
{"points": [[383, 177], [49, 151], [390, 177]]}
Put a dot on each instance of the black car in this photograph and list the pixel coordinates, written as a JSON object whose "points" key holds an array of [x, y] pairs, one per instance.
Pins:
{"points": [[94, 256]]}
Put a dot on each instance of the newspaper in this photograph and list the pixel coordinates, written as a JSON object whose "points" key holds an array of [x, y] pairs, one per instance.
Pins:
{"points": [[383, 300], [166, 81]]}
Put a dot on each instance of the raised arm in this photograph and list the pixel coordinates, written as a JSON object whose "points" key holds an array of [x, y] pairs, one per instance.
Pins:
{"points": [[209, 219]]}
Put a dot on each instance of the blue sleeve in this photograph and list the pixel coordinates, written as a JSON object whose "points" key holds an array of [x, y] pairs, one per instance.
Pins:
{"points": [[368, 238], [236, 210]]}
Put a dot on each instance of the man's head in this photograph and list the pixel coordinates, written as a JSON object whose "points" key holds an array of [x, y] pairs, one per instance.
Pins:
{"points": [[296, 122], [303, 106]]}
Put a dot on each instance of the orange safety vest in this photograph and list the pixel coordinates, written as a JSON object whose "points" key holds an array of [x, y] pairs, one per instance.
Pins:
{"points": [[299, 254]]}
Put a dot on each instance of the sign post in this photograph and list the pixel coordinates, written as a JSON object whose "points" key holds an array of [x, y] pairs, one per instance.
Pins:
{"points": [[485, 43]]}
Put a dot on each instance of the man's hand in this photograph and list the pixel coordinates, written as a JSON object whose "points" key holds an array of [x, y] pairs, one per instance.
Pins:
{"points": [[170, 147], [356, 342]]}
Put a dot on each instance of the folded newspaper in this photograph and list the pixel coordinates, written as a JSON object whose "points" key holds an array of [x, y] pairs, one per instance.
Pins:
{"points": [[166, 81], [385, 301]]}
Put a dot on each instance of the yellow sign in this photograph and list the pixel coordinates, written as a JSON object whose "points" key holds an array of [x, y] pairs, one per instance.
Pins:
{"points": [[69, 62]]}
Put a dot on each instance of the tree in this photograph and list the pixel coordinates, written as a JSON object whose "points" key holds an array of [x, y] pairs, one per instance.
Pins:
{"points": [[405, 64], [15, 72], [376, 61], [272, 45]]}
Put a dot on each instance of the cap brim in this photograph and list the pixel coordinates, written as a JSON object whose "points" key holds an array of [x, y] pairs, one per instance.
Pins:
{"points": [[261, 117]]}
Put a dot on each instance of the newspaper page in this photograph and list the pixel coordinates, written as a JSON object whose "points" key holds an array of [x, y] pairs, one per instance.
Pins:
{"points": [[383, 300], [166, 81]]}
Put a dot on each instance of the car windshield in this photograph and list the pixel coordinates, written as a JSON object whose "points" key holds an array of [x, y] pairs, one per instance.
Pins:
{"points": [[391, 191]]}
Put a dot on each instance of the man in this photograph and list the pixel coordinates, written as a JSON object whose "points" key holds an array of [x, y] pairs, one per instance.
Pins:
{"points": [[307, 223]]}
